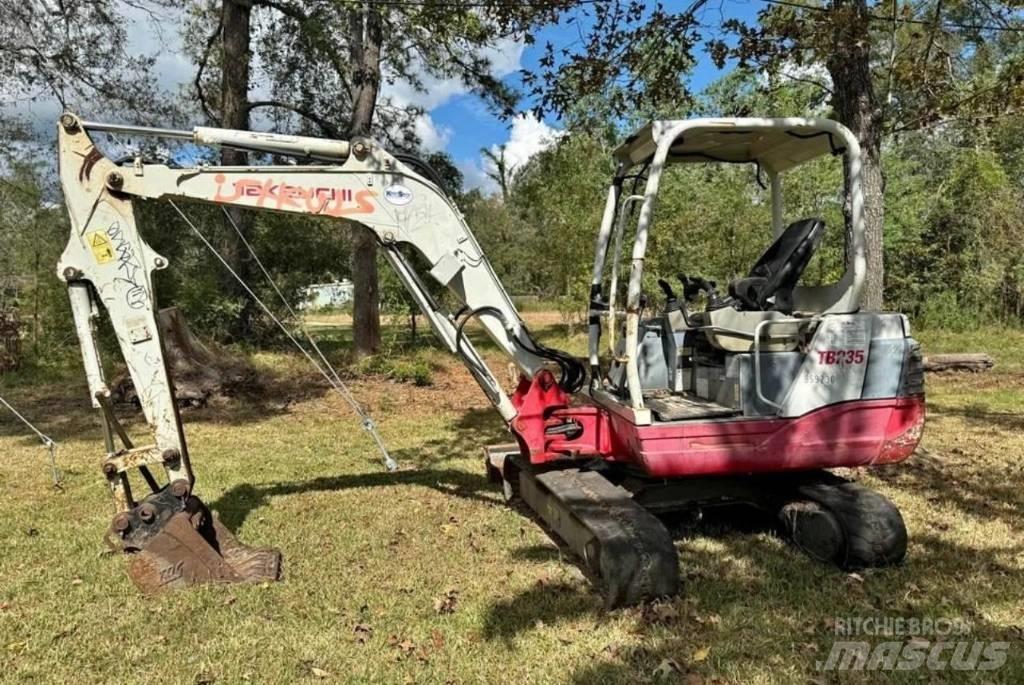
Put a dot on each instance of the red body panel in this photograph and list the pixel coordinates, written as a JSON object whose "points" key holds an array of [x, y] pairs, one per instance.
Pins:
{"points": [[855, 433]]}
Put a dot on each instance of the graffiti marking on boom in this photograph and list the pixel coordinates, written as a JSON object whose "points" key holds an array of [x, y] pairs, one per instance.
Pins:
{"points": [[315, 200], [128, 266]]}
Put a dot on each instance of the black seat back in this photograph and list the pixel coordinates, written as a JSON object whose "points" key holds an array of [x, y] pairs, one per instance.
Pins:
{"points": [[778, 270]]}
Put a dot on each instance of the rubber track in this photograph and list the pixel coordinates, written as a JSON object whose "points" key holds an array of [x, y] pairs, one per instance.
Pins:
{"points": [[622, 543]]}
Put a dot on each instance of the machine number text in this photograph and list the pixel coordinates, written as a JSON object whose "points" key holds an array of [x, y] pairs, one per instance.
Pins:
{"points": [[840, 357]]}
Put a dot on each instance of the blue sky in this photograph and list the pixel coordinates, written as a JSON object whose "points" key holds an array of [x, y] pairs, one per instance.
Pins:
{"points": [[470, 126], [455, 121]]}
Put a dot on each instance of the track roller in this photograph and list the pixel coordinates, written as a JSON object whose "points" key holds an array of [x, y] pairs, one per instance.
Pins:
{"points": [[846, 524]]}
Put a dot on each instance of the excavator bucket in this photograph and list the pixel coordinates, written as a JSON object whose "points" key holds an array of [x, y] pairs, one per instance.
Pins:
{"points": [[172, 546]]}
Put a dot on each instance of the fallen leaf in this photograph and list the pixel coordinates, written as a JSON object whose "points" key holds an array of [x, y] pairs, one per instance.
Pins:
{"points": [[701, 654], [4, 606], [856, 577], [363, 632], [666, 669], [76, 581], [407, 646], [446, 604], [230, 600], [319, 672], [437, 639]]}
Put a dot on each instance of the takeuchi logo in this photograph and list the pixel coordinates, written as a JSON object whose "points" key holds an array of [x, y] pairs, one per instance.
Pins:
{"points": [[276, 195]]}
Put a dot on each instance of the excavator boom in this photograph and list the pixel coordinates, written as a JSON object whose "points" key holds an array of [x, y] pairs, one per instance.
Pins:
{"points": [[174, 539]]}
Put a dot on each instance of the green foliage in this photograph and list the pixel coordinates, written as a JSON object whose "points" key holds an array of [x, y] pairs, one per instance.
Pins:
{"points": [[33, 231], [955, 238], [415, 369]]}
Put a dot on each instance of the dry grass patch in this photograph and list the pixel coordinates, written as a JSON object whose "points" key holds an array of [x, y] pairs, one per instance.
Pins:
{"points": [[426, 576]]}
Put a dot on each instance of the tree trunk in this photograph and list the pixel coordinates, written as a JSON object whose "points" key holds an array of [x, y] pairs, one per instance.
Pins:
{"points": [[855, 105], [365, 27], [235, 115]]}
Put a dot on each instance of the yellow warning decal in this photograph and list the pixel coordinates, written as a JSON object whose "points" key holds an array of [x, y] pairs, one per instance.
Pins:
{"points": [[102, 248]]}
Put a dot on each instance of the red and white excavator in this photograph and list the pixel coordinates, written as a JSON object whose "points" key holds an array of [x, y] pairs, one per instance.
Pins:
{"points": [[748, 397]]}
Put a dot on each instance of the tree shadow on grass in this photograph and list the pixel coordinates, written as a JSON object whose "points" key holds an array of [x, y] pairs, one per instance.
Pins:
{"points": [[779, 610], [982, 494], [235, 505], [425, 464]]}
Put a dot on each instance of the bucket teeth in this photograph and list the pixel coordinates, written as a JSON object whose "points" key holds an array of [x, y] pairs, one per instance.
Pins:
{"points": [[188, 546]]}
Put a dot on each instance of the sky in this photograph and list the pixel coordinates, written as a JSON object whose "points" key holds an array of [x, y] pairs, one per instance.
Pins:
{"points": [[455, 120], [464, 126]]}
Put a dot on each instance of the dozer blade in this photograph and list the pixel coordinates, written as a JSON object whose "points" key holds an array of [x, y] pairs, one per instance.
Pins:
{"points": [[623, 544], [174, 546]]}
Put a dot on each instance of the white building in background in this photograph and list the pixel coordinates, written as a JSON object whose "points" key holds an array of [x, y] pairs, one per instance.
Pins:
{"points": [[327, 295]]}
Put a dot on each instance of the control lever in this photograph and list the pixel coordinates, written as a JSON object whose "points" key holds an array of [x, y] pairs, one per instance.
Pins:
{"points": [[671, 300], [695, 285]]}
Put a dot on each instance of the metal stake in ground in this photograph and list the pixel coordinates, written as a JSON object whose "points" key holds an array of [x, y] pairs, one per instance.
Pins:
{"points": [[47, 441]]}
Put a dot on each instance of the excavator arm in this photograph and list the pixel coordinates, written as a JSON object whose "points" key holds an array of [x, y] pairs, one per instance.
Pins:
{"points": [[107, 263]]}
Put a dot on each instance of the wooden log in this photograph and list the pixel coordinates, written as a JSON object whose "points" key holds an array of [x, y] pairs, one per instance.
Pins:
{"points": [[967, 361]]}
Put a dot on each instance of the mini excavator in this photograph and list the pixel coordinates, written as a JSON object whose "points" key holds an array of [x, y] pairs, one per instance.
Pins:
{"points": [[745, 396]]}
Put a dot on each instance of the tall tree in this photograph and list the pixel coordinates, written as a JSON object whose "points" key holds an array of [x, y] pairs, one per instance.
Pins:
{"points": [[893, 67], [499, 171], [236, 30], [332, 59]]}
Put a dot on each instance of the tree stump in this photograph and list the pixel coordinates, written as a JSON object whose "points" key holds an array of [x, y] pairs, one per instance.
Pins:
{"points": [[198, 372]]}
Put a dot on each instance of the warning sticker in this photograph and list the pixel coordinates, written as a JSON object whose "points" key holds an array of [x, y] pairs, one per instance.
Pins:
{"points": [[102, 248]]}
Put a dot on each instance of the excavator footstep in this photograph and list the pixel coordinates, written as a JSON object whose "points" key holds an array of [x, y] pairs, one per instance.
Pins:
{"points": [[619, 541], [192, 548]]}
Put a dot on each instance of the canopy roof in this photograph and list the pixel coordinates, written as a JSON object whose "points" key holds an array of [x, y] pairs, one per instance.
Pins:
{"points": [[776, 144]]}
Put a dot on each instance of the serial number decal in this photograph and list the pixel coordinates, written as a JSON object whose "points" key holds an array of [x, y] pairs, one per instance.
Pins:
{"points": [[819, 378], [828, 357]]}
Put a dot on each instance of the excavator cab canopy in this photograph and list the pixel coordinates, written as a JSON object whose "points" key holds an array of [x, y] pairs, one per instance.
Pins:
{"points": [[774, 148], [754, 310]]}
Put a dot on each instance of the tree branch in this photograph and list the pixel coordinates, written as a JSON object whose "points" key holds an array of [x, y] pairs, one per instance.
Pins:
{"points": [[203, 59], [326, 126]]}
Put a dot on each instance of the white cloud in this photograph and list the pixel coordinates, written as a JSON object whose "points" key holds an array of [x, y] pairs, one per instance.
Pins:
{"points": [[505, 57], [528, 135], [432, 137], [474, 176]]}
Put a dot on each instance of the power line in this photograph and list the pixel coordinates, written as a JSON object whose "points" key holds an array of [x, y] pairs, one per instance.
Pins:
{"points": [[898, 20]]}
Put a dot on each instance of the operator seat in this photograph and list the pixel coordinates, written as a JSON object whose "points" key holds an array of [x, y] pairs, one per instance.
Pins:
{"points": [[778, 270]]}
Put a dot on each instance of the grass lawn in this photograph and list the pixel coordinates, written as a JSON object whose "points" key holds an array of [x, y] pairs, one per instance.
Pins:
{"points": [[427, 576]]}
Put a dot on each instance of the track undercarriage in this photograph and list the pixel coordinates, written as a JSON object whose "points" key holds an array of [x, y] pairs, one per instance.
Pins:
{"points": [[611, 519]]}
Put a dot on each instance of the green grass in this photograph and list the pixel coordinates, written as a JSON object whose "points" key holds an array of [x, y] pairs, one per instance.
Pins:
{"points": [[377, 551]]}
